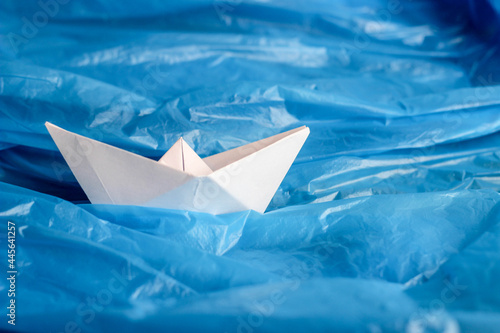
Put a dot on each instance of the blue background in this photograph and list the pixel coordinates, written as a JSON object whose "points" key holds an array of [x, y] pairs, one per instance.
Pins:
{"points": [[388, 221]]}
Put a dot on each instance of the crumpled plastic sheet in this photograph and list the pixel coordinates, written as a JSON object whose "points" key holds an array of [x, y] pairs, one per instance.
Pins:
{"points": [[388, 221]]}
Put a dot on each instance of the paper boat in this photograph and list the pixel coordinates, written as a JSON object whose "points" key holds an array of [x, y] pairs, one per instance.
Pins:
{"points": [[235, 180]]}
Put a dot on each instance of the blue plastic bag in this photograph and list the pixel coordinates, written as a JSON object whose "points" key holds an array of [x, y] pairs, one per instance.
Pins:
{"points": [[388, 221]]}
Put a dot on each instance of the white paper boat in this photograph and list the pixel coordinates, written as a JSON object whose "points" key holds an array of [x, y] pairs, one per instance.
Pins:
{"points": [[235, 180]]}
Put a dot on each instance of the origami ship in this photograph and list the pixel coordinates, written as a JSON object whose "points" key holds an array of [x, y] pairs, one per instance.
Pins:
{"points": [[235, 180]]}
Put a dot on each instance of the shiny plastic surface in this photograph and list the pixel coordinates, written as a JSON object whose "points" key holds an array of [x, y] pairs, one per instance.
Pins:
{"points": [[388, 221]]}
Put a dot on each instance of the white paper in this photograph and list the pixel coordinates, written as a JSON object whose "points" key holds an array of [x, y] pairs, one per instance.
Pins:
{"points": [[235, 180]]}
